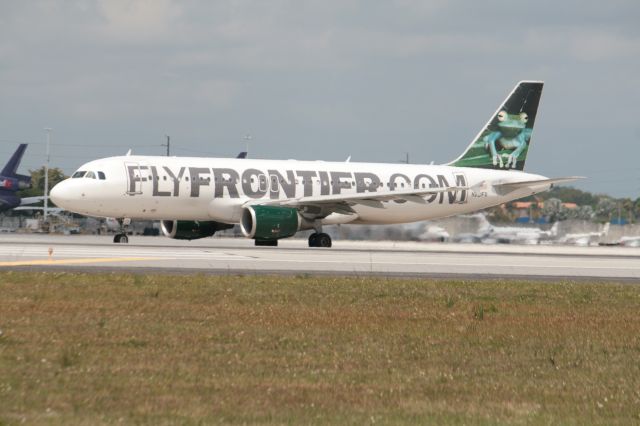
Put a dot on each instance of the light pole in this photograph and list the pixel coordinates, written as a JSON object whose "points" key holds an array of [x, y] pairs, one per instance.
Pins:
{"points": [[247, 138], [46, 176], [168, 145]]}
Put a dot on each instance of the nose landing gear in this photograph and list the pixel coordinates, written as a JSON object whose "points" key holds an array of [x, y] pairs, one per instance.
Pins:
{"points": [[121, 237]]}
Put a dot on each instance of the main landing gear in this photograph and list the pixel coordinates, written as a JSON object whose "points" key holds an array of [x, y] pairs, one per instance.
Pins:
{"points": [[319, 239], [121, 237]]}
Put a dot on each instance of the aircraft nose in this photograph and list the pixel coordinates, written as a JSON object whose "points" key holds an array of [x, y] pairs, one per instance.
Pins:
{"points": [[61, 194]]}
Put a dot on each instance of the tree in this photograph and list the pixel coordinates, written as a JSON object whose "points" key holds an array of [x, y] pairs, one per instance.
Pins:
{"points": [[554, 210], [499, 214], [37, 181], [627, 209], [570, 195], [605, 208], [582, 213]]}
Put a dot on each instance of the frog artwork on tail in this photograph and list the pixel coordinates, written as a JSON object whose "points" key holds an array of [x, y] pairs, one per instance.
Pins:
{"points": [[504, 141], [511, 135]]}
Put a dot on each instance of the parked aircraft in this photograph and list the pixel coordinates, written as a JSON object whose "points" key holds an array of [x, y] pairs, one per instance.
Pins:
{"points": [[488, 233], [629, 241], [11, 182], [434, 233], [585, 238], [272, 199]]}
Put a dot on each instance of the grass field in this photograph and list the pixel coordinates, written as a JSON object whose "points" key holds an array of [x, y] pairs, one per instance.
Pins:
{"points": [[93, 349]]}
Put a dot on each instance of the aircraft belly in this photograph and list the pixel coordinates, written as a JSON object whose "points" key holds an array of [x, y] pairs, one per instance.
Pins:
{"points": [[408, 211], [404, 212]]}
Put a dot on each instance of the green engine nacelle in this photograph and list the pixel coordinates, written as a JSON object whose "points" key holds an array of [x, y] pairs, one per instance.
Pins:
{"points": [[269, 222], [191, 230]]}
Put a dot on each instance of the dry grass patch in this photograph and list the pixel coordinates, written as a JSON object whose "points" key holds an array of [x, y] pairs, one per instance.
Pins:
{"points": [[80, 348]]}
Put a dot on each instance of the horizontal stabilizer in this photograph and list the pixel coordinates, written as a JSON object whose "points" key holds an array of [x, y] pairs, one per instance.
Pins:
{"points": [[30, 200], [512, 186]]}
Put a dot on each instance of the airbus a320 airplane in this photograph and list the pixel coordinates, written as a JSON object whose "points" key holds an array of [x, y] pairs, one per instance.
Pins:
{"points": [[270, 199]]}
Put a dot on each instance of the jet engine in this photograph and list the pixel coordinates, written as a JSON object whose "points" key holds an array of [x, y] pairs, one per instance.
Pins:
{"points": [[269, 223], [15, 183], [191, 230]]}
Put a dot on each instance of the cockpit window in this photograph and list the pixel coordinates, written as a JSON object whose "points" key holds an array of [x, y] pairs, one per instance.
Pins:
{"points": [[90, 175], [78, 174], [101, 176]]}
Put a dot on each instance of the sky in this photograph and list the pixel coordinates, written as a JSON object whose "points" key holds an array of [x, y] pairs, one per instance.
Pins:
{"points": [[326, 79]]}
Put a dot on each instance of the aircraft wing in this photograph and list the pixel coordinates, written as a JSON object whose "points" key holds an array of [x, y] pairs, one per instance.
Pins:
{"points": [[342, 202]]}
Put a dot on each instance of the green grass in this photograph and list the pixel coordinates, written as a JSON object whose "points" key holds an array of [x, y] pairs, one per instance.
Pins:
{"points": [[94, 349]]}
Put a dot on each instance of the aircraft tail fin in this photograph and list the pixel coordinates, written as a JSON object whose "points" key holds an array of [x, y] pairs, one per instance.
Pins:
{"points": [[503, 142], [12, 165]]}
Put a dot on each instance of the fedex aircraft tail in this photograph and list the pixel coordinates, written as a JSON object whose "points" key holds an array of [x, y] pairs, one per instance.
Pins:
{"points": [[12, 165], [504, 141]]}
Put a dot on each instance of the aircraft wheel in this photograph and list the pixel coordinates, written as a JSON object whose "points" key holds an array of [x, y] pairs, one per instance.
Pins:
{"points": [[313, 240], [124, 239], [323, 240], [116, 238]]}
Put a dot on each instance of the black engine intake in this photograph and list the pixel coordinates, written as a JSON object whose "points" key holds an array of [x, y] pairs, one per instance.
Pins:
{"points": [[191, 230]]}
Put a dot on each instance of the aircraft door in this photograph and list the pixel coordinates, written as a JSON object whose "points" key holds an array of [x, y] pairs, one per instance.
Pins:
{"points": [[274, 186], [263, 183]]}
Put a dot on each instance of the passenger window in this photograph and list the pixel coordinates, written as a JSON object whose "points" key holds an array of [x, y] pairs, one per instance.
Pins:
{"points": [[101, 176], [78, 174]]}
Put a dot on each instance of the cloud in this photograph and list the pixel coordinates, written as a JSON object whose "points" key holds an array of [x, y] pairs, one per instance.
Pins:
{"points": [[139, 20], [581, 44], [375, 77]]}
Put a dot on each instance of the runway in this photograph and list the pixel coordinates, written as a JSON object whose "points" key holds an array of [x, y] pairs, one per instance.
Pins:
{"points": [[233, 256]]}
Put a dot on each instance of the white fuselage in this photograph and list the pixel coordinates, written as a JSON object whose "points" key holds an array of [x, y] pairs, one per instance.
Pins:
{"points": [[183, 188]]}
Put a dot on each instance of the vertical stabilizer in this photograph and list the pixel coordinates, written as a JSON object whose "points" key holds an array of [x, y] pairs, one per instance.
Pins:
{"points": [[14, 162], [504, 141]]}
